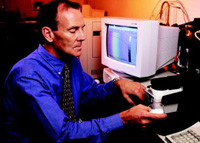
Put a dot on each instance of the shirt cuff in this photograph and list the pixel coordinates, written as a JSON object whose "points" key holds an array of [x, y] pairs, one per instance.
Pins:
{"points": [[114, 122], [111, 86]]}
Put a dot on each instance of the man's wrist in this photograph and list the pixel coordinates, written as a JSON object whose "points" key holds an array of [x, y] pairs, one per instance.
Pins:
{"points": [[123, 115], [115, 81]]}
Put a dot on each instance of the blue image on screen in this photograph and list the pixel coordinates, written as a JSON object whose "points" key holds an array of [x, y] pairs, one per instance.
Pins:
{"points": [[122, 43]]}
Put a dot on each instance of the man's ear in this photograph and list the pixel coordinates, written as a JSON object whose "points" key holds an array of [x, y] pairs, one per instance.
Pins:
{"points": [[47, 33]]}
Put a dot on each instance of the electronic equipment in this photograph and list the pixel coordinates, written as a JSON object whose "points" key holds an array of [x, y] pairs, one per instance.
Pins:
{"points": [[166, 90], [91, 48], [137, 47], [189, 47]]}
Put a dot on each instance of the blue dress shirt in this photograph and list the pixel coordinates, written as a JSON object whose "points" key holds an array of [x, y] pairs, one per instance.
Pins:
{"points": [[33, 90]]}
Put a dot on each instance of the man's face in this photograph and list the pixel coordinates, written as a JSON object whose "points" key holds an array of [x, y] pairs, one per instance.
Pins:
{"points": [[69, 36]]}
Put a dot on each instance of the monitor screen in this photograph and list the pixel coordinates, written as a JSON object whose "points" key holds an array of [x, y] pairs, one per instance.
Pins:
{"points": [[137, 47], [122, 43]]}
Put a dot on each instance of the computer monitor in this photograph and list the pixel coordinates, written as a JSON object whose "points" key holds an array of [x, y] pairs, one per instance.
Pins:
{"points": [[137, 47]]}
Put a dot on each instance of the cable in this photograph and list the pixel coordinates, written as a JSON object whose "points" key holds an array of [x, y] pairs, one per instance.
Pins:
{"points": [[173, 5], [184, 9], [154, 9], [184, 14], [196, 36], [170, 3], [161, 11]]}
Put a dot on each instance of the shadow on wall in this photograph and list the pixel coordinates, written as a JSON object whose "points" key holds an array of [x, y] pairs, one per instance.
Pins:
{"points": [[18, 39]]}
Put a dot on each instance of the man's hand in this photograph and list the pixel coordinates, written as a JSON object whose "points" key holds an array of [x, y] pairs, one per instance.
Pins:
{"points": [[130, 88], [140, 115]]}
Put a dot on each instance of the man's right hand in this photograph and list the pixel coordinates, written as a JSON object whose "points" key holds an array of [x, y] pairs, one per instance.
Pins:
{"points": [[140, 114]]}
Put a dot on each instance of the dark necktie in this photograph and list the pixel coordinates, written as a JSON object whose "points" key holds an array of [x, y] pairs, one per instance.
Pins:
{"points": [[67, 102]]}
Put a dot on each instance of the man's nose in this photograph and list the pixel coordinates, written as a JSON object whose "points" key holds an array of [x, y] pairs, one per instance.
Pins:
{"points": [[81, 36]]}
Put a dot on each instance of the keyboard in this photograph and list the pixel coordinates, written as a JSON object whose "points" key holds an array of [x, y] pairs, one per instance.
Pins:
{"points": [[189, 135]]}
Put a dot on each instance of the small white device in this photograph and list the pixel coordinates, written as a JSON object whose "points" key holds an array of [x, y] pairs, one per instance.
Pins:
{"points": [[156, 97]]}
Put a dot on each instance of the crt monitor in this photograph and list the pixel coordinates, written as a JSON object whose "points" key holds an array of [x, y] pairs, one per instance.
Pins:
{"points": [[137, 47]]}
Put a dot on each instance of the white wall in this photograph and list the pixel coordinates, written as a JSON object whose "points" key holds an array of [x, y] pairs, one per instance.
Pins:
{"points": [[193, 8], [143, 8]]}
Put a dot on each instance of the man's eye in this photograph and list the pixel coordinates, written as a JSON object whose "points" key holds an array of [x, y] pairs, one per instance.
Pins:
{"points": [[72, 30]]}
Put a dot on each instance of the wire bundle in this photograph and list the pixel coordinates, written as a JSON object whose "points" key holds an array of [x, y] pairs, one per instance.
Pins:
{"points": [[164, 14]]}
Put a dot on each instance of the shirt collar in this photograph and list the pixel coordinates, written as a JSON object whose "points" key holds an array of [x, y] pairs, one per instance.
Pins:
{"points": [[56, 63]]}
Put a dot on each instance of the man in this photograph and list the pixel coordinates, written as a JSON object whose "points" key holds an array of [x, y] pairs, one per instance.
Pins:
{"points": [[33, 88]]}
